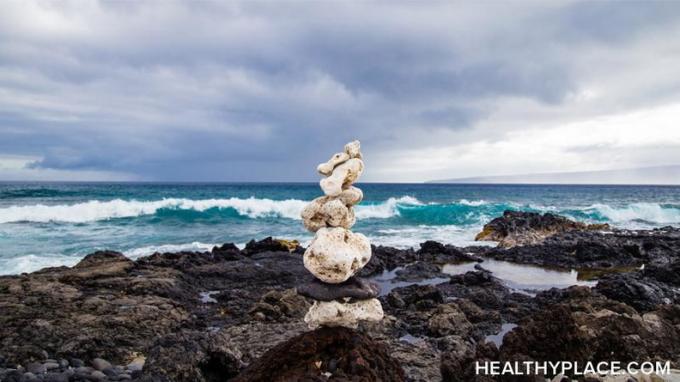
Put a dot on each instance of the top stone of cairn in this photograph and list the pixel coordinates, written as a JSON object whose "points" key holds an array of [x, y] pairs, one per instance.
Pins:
{"points": [[342, 169]]}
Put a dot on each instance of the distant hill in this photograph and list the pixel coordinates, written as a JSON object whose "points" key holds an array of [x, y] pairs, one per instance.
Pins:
{"points": [[660, 175]]}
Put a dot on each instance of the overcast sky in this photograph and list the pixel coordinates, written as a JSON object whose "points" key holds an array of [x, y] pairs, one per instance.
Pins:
{"points": [[263, 91]]}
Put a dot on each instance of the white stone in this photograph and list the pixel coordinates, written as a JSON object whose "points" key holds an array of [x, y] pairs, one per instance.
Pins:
{"points": [[336, 313], [336, 254], [351, 196], [337, 159], [327, 211], [353, 149], [342, 177]]}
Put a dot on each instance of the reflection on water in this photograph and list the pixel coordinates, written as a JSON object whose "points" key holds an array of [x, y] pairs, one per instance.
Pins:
{"points": [[498, 337], [387, 283], [207, 297], [521, 276]]}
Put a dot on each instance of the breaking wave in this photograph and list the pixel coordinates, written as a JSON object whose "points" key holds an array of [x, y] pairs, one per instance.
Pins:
{"points": [[407, 209], [95, 210]]}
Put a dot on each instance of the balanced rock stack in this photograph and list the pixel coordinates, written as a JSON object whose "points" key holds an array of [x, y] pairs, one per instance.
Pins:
{"points": [[336, 254]]}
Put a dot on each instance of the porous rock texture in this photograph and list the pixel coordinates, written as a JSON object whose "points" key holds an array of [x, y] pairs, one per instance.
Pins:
{"points": [[341, 313], [336, 254], [337, 354], [326, 211], [342, 177]]}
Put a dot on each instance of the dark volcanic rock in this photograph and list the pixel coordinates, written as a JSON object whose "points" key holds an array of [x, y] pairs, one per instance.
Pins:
{"points": [[587, 327], [270, 244], [644, 290], [355, 288], [275, 305], [345, 354], [189, 356], [614, 251], [432, 252], [521, 228], [111, 307], [205, 316], [439, 253]]}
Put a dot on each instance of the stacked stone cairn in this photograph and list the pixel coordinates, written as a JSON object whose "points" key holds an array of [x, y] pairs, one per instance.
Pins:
{"points": [[337, 254]]}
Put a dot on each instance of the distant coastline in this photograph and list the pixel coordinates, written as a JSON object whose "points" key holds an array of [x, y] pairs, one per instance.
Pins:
{"points": [[652, 176]]}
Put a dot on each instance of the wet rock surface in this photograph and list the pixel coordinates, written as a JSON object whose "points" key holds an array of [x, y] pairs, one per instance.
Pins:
{"points": [[338, 354], [150, 319], [591, 247], [521, 228], [354, 288]]}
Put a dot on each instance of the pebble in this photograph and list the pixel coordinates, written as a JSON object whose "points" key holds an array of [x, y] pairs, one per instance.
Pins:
{"points": [[36, 368], [29, 377], [82, 376], [136, 374], [63, 363], [51, 365], [100, 364], [77, 362], [124, 377], [98, 375], [110, 371], [84, 370], [137, 364], [44, 354], [57, 377]]}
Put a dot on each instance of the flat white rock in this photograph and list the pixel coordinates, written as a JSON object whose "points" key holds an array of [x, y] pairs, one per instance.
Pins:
{"points": [[336, 313], [342, 177], [336, 254]]}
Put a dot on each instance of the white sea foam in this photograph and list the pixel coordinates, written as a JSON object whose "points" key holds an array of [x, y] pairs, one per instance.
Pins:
{"points": [[472, 203], [95, 210], [649, 212], [197, 246], [386, 209], [32, 263], [406, 237]]}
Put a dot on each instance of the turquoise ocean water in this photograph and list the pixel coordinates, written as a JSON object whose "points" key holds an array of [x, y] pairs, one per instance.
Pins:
{"points": [[50, 224]]}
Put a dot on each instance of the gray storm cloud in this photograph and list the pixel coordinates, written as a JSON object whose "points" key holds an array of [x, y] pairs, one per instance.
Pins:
{"points": [[256, 90]]}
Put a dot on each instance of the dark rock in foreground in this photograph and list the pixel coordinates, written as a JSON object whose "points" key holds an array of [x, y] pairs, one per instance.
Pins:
{"points": [[338, 353], [646, 289], [584, 326], [206, 316]]}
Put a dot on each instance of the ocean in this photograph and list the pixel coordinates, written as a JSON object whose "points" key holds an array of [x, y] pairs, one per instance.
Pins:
{"points": [[52, 224]]}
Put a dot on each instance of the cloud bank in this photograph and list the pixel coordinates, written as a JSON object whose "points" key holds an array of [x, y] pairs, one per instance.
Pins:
{"points": [[256, 91]]}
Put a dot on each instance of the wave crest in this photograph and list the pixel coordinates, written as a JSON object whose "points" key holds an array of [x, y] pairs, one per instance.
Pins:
{"points": [[386, 209], [647, 212], [95, 210], [406, 208]]}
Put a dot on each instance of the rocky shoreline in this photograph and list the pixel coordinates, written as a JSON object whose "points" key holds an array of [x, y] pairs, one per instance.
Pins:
{"points": [[207, 316]]}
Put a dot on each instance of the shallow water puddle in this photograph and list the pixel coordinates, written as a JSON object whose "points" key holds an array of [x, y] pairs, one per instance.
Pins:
{"points": [[387, 283], [498, 337], [207, 297], [411, 339], [521, 276]]}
